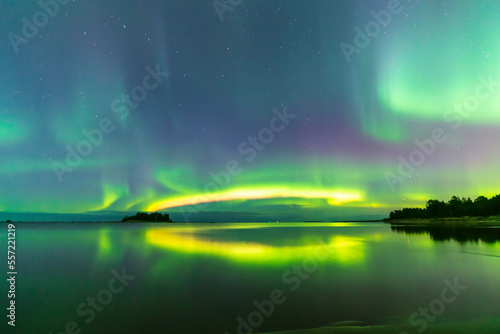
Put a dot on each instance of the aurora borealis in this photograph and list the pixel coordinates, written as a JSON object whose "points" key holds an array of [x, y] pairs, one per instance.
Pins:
{"points": [[192, 111]]}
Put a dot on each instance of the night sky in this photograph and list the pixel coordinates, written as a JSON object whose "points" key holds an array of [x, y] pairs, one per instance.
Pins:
{"points": [[283, 110]]}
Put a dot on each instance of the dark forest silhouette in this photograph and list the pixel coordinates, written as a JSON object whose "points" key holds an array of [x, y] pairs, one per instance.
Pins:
{"points": [[460, 234], [455, 207], [149, 217]]}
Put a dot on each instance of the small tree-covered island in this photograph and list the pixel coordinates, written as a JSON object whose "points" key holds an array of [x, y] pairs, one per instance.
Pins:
{"points": [[481, 211], [148, 217]]}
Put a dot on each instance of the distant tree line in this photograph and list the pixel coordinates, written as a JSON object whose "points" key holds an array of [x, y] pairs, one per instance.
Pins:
{"points": [[455, 207], [149, 217]]}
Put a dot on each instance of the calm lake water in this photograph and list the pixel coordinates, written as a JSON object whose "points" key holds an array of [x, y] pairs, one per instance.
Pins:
{"points": [[202, 278]]}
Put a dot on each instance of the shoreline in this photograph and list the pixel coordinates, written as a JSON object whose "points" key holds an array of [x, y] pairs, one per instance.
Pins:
{"points": [[469, 222]]}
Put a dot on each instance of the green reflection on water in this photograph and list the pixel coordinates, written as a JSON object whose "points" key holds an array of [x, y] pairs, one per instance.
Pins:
{"points": [[370, 271], [338, 248]]}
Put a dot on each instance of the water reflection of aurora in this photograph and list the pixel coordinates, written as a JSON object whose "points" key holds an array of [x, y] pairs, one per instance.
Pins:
{"points": [[340, 249]]}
